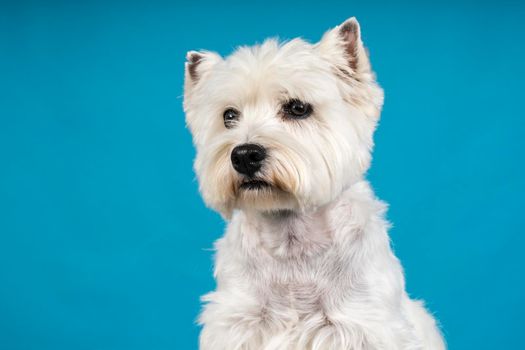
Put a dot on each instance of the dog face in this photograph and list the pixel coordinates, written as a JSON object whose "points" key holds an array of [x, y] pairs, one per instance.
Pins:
{"points": [[282, 126]]}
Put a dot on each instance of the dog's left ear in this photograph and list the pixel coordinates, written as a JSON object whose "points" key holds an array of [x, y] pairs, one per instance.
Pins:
{"points": [[343, 46]]}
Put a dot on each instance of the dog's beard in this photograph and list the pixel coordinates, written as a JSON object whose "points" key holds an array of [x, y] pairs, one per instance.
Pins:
{"points": [[262, 193]]}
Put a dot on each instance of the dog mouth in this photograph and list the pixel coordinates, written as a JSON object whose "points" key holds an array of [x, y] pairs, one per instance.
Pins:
{"points": [[254, 184]]}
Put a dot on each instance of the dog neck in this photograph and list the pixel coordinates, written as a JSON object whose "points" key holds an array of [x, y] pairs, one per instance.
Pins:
{"points": [[293, 234], [289, 233]]}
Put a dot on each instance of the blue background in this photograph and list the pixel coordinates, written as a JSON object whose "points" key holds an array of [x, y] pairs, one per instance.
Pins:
{"points": [[104, 240]]}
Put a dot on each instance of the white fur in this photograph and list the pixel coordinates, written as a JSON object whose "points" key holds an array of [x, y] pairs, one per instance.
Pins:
{"points": [[306, 264]]}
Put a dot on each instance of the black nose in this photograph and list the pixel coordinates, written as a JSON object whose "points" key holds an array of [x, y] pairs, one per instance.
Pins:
{"points": [[247, 158]]}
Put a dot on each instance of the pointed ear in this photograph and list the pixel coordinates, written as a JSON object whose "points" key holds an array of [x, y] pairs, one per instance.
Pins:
{"points": [[344, 47], [197, 65]]}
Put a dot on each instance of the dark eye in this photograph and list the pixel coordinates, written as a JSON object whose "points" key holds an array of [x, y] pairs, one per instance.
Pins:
{"points": [[297, 109], [230, 116]]}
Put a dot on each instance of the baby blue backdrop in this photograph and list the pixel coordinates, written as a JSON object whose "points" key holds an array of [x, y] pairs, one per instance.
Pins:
{"points": [[104, 240]]}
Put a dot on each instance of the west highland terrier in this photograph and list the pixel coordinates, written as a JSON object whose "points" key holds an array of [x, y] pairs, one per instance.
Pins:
{"points": [[283, 133]]}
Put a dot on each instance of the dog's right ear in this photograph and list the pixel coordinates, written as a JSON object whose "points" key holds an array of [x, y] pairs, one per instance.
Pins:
{"points": [[198, 64]]}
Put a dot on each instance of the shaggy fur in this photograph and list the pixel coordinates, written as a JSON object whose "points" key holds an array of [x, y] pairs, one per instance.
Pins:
{"points": [[305, 262]]}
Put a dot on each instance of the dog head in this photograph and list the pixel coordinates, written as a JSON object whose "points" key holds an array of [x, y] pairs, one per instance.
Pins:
{"points": [[282, 125]]}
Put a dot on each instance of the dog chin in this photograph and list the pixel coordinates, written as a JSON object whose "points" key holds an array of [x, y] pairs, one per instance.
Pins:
{"points": [[261, 195]]}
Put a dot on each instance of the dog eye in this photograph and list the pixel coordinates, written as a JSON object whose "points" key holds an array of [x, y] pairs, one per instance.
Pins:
{"points": [[230, 117], [297, 109]]}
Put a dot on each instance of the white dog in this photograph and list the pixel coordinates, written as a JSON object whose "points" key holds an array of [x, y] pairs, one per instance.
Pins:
{"points": [[283, 133]]}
